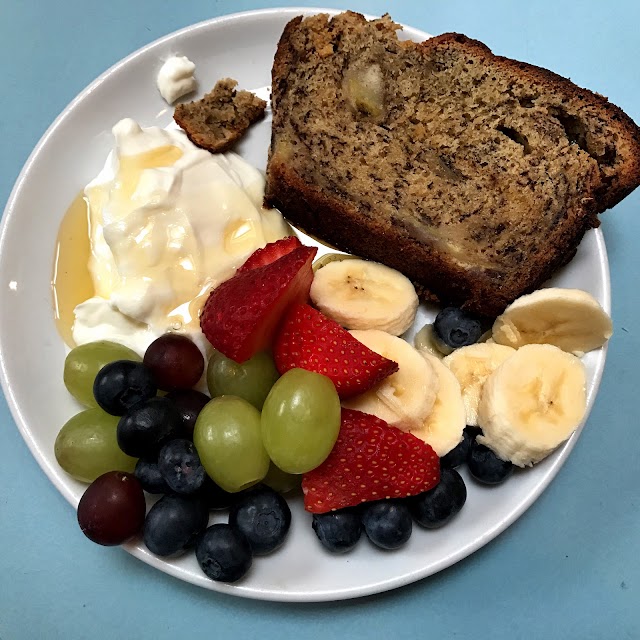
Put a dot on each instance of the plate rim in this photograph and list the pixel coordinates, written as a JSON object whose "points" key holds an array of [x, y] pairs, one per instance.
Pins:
{"points": [[176, 571]]}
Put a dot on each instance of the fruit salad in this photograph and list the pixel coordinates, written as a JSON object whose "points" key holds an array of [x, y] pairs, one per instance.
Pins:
{"points": [[312, 388]]}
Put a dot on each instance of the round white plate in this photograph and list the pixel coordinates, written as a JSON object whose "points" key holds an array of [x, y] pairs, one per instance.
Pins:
{"points": [[32, 354]]}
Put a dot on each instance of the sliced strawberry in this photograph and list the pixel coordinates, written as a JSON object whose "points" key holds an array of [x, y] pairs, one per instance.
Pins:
{"points": [[272, 252], [241, 316], [370, 461], [309, 340]]}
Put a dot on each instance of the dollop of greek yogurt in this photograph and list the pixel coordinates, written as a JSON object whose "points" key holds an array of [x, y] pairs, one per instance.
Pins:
{"points": [[168, 223], [176, 78]]}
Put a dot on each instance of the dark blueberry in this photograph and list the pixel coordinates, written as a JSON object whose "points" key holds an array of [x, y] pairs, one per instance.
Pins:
{"points": [[436, 507], [457, 456], [150, 477], [216, 497], [180, 466], [456, 328], [264, 517], [387, 523], [121, 384], [485, 466], [339, 531], [189, 402], [147, 425], [224, 553], [474, 432], [174, 523]]}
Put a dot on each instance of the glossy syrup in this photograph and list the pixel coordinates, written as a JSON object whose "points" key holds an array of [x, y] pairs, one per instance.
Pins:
{"points": [[71, 281]]}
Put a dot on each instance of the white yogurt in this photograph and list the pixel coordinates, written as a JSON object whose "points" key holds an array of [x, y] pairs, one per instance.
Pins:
{"points": [[168, 222], [176, 78]]}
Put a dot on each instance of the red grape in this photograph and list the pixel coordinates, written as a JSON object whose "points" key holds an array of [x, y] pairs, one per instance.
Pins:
{"points": [[175, 362], [112, 508]]}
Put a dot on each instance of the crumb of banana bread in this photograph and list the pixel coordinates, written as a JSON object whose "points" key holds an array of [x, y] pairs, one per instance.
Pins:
{"points": [[221, 118]]}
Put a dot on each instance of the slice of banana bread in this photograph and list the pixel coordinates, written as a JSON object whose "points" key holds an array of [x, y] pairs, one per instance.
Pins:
{"points": [[221, 118], [473, 174]]}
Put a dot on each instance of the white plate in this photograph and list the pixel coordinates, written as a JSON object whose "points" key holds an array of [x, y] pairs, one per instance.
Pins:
{"points": [[31, 353]]}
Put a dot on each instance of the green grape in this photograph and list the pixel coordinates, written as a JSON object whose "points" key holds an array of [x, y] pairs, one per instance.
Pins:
{"points": [[251, 380], [227, 438], [82, 364], [87, 446], [300, 420], [281, 481]]}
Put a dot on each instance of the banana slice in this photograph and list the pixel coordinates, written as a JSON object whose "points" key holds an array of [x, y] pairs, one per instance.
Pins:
{"points": [[365, 295], [571, 319], [444, 425], [324, 260], [471, 366], [406, 397], [532, 403], [425, 342]]}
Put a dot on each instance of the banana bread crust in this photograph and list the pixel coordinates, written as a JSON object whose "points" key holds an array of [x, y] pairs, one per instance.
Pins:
{"points": [[599, 144]]}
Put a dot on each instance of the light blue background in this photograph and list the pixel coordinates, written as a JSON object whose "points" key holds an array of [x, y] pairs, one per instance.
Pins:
{"points": [[570, 568]]}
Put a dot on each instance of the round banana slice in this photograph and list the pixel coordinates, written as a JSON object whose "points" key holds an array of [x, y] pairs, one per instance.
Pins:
{"points": [[570, 319], [359, 294], [532, 403], [324, 260], [406, 397], [444, 426], [424, 341], [471, 366]]}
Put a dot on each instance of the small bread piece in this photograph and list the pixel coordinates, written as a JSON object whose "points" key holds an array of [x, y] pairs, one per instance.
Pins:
{"points": [[474, 175], [221, 118]]}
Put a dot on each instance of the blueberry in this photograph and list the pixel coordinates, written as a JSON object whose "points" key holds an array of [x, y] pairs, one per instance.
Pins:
{"points": [[216, 497], [485, 466], [150, 477], [224, 553], [339, 531], [387, 523], [264, 517], [456, 328], [474, 432], [147, 425], [174, 523], [189, 402], [180, 466], [457, 456], [121, 384], [434, 508]]}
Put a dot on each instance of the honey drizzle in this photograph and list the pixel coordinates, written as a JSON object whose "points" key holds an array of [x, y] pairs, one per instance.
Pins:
{"points": [[71, 281]]}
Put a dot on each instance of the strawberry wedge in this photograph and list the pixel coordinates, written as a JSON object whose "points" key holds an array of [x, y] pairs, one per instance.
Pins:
{"points": [[370, 461], [309, 340], [272, 252], [241, 316]]}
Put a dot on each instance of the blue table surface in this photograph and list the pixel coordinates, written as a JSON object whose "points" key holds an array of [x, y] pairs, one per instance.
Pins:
{"points": [[569, 568]]}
